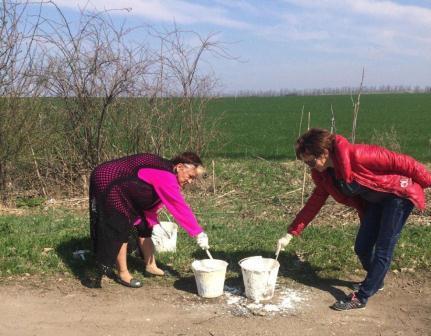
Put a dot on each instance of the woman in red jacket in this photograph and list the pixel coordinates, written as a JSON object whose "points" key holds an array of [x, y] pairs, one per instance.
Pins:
{"points": [[381, 185]]}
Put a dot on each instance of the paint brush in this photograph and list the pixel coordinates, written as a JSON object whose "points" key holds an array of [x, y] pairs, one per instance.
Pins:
{"points": [[209, 254]]}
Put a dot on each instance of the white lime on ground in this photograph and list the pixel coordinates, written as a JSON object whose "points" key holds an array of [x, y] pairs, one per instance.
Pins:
{"points": [[285, 300]]}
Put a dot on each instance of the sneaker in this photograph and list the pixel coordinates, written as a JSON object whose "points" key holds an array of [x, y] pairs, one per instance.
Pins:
{"points": [[350, 302], [357, 285]]}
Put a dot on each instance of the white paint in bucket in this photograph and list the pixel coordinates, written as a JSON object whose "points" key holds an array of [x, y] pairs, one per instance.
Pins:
{"points": [[259, 276], [209, 275], [165, 237]]}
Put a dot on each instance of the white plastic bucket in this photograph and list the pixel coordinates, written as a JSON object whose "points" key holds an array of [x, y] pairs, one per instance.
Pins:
{"points": [[209, 275], [164, 237], [259, 276]]}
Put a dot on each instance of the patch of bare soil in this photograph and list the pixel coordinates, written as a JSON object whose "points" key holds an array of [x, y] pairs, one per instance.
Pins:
{"points": [[49, 307]]}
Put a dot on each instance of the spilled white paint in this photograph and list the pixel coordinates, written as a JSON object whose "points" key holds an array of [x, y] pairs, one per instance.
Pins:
{"points": [[285, 300]]}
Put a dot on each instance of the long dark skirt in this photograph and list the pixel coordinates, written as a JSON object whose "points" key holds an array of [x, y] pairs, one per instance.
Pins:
{"points": [[108, 230]]}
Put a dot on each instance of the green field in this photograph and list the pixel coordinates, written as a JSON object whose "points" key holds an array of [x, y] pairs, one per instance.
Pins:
{"points": [[268, 126]]}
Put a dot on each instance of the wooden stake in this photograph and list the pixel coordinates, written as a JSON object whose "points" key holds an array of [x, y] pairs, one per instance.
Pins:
{"points": [[38, 172], [305, 168], [214, 185], [356, 108]]}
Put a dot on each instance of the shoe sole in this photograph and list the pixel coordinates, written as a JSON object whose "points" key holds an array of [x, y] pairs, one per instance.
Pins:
{"points": [[339, 309], [356, 288], [129, 284], [152, 275]]}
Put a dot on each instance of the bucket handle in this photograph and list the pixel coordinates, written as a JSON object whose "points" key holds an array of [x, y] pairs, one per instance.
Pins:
{"points": [[167, 216], [169, 220]]}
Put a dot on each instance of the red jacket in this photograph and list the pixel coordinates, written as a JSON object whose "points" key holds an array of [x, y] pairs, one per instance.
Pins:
{"points": [[373, 167]]}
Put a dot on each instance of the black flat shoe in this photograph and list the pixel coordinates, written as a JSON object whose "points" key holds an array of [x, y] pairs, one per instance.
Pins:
{"points": [[134, 283]]}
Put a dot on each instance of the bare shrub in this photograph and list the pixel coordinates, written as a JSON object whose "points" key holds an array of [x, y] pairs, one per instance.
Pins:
{"points": [[118, 97], [178, 116], [18, 111], [89, 65], [388, 139], [78, 93], [167, 112]]}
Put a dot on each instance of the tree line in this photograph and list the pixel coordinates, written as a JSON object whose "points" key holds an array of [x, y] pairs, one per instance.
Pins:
{"points": [[346, 90]]}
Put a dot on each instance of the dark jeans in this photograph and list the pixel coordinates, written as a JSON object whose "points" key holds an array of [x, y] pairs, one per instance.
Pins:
{"points": [[376, 240]]}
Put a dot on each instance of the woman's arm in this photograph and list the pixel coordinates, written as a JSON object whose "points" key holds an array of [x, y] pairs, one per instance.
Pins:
{"points": [[168, 189], [309, 211]]}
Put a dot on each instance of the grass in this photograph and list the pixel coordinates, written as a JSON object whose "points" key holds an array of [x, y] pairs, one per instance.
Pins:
{"points": [[268, 126], [254, 202], [36, 244]]}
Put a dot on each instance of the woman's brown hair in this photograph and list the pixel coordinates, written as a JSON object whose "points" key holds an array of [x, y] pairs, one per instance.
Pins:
{"points": [[187, 158], [314, 142]]}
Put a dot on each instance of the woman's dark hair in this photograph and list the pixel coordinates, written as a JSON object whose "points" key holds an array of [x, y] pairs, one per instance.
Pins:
{"points": [[314, 142], [187, 158]]}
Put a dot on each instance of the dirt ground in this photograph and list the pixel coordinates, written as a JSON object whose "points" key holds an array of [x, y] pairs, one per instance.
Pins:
{"points": [[54, 307]]}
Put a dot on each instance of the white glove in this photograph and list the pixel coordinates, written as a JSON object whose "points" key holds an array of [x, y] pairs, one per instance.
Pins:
{"points": [[202, 240], [283, 242]]}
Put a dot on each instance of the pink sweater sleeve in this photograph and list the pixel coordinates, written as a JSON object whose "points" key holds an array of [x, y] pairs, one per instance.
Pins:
{"points": [[168, 189], [151, 215]]}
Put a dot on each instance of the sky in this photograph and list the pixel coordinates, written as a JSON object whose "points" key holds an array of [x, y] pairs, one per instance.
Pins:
{"points": [[297, 44]]}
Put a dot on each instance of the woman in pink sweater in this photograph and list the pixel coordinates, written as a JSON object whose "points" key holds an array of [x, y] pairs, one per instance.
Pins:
{"points": [[126, 193]]}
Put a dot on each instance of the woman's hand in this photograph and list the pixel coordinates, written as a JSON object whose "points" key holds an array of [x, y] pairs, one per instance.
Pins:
{"points": [[202, 241], [283, 242]]}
